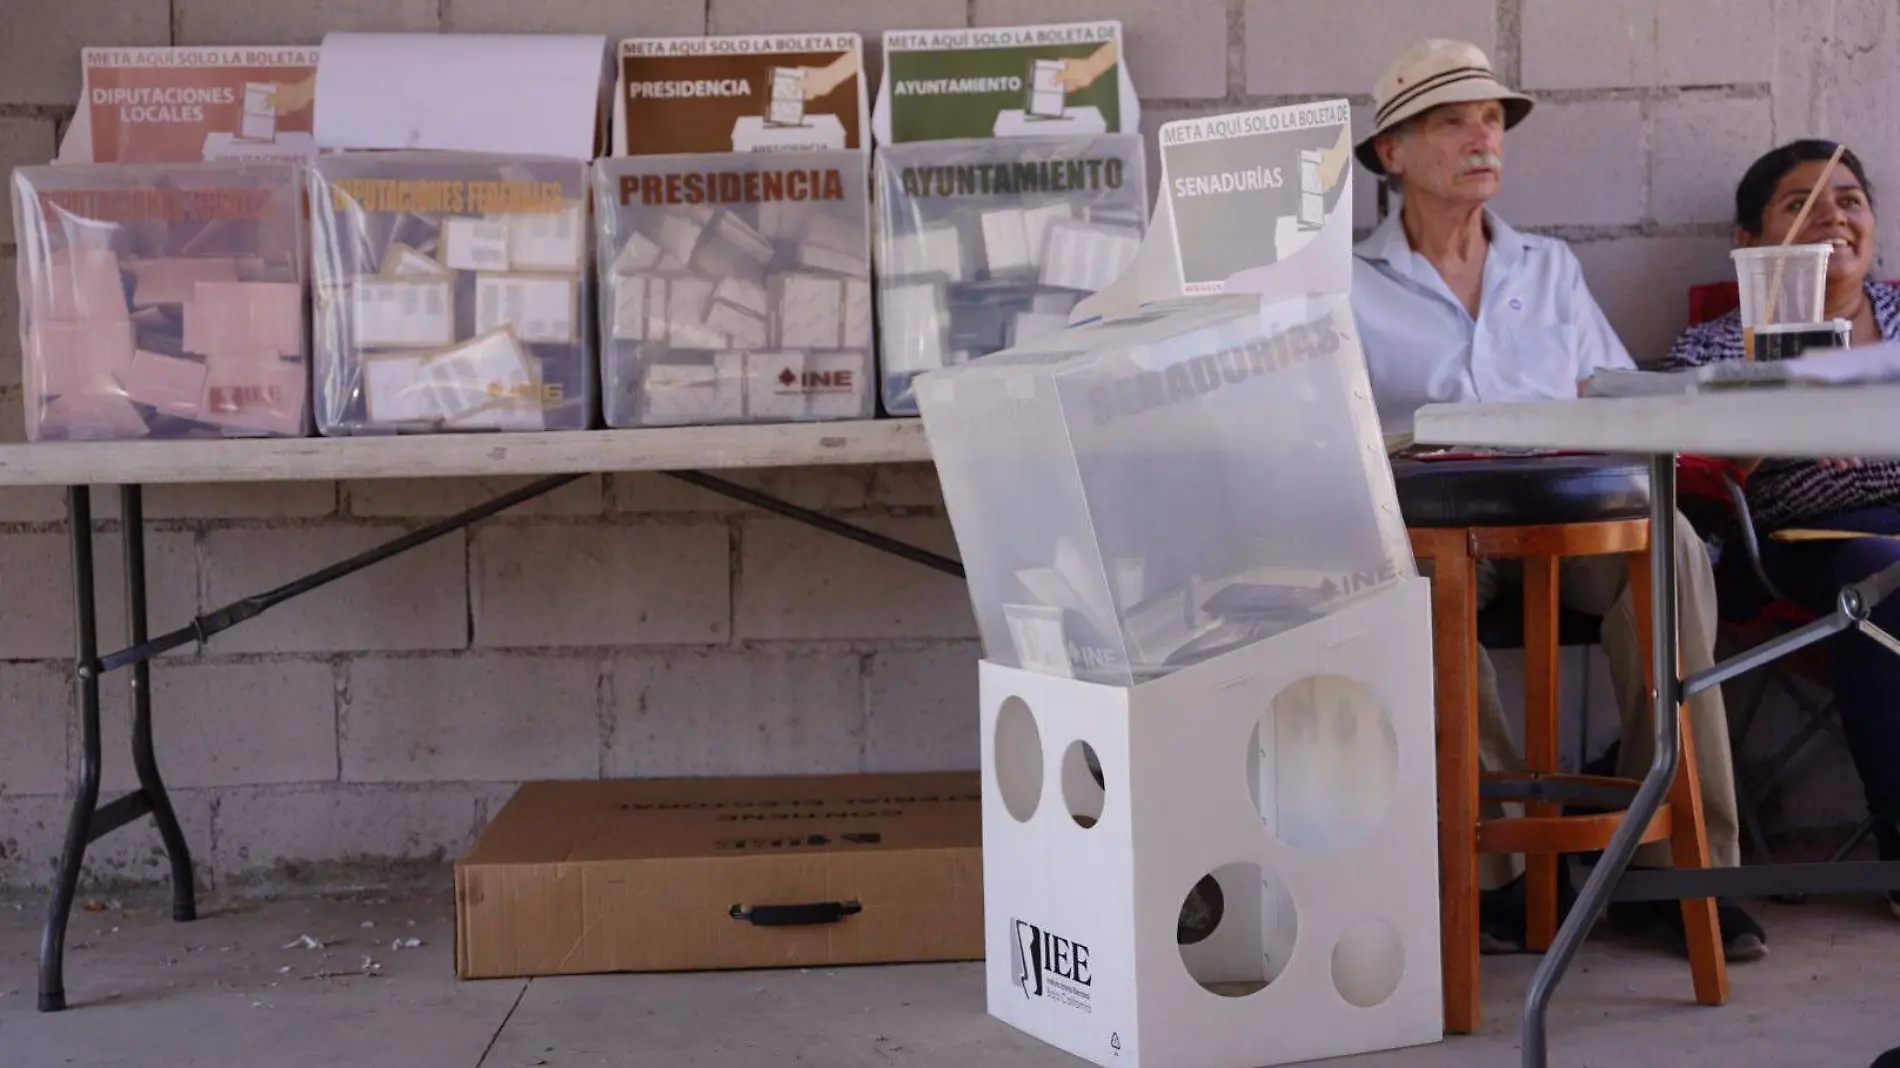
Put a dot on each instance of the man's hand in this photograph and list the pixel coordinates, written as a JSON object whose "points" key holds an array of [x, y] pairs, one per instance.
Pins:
{"points": [[1082, 73], [1334, 161], [820, 81], [288, 97], [1840, 463]]}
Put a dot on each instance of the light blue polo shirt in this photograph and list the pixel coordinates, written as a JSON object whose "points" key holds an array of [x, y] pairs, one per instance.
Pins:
{"points": [[1538, 330]]}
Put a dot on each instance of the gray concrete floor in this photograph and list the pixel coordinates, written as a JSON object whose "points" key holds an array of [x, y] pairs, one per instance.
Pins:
{"points": [[224, 992]]}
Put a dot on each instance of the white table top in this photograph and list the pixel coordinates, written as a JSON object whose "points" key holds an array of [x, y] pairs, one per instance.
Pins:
{"points": [[148, 462], [1843, 421]]}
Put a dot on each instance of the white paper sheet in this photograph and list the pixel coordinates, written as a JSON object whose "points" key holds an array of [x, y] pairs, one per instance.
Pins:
{"points": [[555, 241], [541, 308], [470, 244], [405, 313], [490, 92], [696, 393]]}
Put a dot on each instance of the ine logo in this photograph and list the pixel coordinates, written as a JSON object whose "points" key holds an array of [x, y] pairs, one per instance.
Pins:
{"points": [[1046, 965]]}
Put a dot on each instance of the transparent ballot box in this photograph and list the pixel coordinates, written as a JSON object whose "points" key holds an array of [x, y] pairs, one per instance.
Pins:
{"points": [[734, 288], [162, 300], [988, 244], [1135, 496], [451, 292]]}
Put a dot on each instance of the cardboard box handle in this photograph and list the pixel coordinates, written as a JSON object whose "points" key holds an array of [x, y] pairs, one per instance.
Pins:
{"points": [[807, 915]]}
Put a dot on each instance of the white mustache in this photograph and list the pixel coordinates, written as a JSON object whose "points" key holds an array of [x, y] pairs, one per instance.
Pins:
{"points": [[1476, 160]]}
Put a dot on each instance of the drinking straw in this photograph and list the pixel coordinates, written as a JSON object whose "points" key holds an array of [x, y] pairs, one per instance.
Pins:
{"points": [[1800, 220]]}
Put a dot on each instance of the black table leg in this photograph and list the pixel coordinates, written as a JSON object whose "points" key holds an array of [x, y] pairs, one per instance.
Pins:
{"points": [[1665, 695], [86, 782], [184, 896]]}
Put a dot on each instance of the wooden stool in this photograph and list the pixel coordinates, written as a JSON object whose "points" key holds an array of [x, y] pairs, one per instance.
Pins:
{"points": [[1452, 553]]}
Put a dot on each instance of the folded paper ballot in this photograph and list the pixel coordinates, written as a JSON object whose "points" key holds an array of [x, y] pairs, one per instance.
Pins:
{"points": [[470, 244], [401, 261], [167, 301], [410, 312], [238, 318], [463, 283], [539, 308], [173, 385], [484, 381], [678, 394], [549, 241], [79, 284], [77, 357], [170, 280], [755, 264]]}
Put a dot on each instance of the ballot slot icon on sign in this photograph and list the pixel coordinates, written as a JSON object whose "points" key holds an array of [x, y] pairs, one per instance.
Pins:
{"points": [[786, 105], [1312, 191], [259, 121], [1047, 98]]}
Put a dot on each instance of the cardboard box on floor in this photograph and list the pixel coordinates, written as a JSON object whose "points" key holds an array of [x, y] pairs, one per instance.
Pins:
{"points": [[685, 874]]}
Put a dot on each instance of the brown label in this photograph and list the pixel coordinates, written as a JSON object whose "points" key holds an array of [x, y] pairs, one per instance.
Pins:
{"points": [[184, 105], [741, 94], [448, 196], [732, 187], [117, 205]]}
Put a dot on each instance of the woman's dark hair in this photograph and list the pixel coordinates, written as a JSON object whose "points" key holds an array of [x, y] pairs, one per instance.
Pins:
{"points": [[1758, 185]]}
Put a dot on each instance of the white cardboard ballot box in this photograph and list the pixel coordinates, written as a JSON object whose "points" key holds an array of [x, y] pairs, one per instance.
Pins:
{"points": [[1206, 695], [1298, 773], [1209, 791]]}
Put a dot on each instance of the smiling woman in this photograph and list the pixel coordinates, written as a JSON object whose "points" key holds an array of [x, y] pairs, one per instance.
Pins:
{"points": [[1768, 202], [1844, 495]]}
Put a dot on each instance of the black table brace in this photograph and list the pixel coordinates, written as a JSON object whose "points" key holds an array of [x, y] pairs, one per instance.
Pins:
{"points": [[91, 821], [1610, 879]]}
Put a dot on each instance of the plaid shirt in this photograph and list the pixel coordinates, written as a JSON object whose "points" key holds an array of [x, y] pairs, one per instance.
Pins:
{"points": [[1782, 493]]}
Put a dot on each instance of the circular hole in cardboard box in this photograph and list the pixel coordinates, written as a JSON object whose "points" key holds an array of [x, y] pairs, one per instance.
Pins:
{"points": [[1236, 930], [1323, 766], [1084, 787], [1018, 759]]}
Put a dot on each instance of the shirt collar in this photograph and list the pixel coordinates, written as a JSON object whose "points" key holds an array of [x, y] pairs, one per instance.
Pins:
{"points": [[1389, 245]]}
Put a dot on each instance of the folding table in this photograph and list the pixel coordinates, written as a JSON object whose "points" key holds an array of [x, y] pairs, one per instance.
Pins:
{"points": [[684, 453], [1789, 423]]}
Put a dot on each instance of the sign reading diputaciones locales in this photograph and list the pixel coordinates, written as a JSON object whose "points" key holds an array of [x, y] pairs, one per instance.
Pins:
{"points": [[739, 93], [1011, 81], [1250, 190], [186, 105]]}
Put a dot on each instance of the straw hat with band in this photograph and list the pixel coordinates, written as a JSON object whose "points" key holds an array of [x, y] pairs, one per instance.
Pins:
{"points": [[1430, 73]]}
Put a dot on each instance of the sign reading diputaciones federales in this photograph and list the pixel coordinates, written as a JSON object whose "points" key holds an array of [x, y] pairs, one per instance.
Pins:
{"points": [[1251, 190]]}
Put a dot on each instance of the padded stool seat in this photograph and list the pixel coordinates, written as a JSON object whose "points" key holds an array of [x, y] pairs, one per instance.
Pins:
{"points": [[1529, 491]]}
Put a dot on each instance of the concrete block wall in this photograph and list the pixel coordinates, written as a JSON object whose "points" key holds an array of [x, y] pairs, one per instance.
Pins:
{"points": [[632, 625]]}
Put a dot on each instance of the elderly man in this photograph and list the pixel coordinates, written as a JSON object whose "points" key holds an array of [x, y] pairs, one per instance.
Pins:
{"points": [[1454, 305]]}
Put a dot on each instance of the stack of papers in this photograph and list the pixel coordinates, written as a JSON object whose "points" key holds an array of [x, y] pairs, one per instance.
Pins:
{"points": [[1869, 365]]}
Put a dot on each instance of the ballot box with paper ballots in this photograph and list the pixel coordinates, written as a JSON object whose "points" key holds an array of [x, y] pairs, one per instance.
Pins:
{"points": [[985, 244], [450, 292], [162, 300], [1209, 831], [734, 287]]}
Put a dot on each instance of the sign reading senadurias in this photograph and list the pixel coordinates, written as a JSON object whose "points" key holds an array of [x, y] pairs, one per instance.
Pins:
{"points": [[1005, 81]]}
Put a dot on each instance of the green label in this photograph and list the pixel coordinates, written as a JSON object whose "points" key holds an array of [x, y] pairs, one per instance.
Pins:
{"points": [[1011, 81], [936, 95]]}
